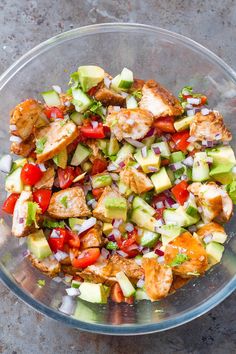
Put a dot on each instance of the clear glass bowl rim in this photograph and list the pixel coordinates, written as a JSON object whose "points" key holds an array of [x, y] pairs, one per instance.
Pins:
{"points": [[136, 329]]}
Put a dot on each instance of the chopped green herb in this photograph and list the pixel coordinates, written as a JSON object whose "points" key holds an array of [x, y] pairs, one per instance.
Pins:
{"points": [[63, 201], [186, 90], [97, 108], [50, 224], [111, 246], [31, 214], [137, 94], [179, 259], [41, 283], [40, 144]]}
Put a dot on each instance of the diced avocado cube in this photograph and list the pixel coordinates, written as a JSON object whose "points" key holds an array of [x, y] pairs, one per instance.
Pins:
{"points": [[200, 170], [222, 155], [141, 295], [38, 245], [161, 180], [143, 219], [93, 293], [61, 159], [84, 313], [13, 182], [179, 217], [124, 189], [124, 152], [51, 98], [75, 221], [107, 228], [80, 155], [101, 180], [214, 252], [148, 238], [150, 161], [222, 173], [113, 146], [140, 203], [163, 147], [90, 76], [220, 237], [183, 124], [116, 208], [177, 156], [125, 284]]}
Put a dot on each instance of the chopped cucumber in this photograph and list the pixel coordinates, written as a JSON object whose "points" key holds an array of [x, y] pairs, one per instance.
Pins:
{"points": [[61, 159], [200, 170], [143, 219], [126, 79], [115, 83], [125, 284], [80, 155], [113, 146], [125, 151], [51, 98], [77, 118], [38, 245], [161, 180], [148, 238], [101, 180], [183, 124], [179, 217], [131, 102], [148, 142], [177, 156], [170, 232], [93, 293], [81, 101], [150, 255], [13, 182], [124, 189], [75, 284], [141, 295], [90, 76], [103, 145], [140, 203], [84, 313], [164, 148]]}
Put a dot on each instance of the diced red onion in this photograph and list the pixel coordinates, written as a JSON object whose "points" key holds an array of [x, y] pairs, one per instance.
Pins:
{"points": [[205, 111], [199, 209], [116, 233], [190, 112], [188, 161], [13, 127], [94, 205], [42, 167], [197, 110], [21, 220], [91, 201], [140, 232], [26, 253], [94, 124], [188, 106], [116, 108], [209, 159], [150, 133], [105, 253], [170, 200], [177, 181], [152, 169], [140, 283], [191, 139], [122, 254], [161, 259], [57, 279], [116, 223], [193, 100], [111, 167], [208, 238], [107, 81], [176, 166], [184, 178], [137, 165], [57, 88], [144, 152], [68, 305], [146, 250], [67, 103], [87, 224], [135, 143], [156, 150], [192, 228], [15, 139], [130, 199], [55, 234], [175, 206], [60, 255], [73, 292], [159, 205], [129, 227], [138, 261], [115, 176], [140, 248], [111, 238], [159, 252], [158, 223], [54, 115], [218, 136], [122, 164]]}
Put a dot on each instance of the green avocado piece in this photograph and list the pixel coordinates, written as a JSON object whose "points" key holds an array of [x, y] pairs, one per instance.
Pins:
{"points": [[222, 155], [161, 180], [214, 252], [177, 156], [150, 161], [75, 221], [101, 180], [116, 208], [61, 159], [222, 173], [90, 76], [93, 293], [38, 245]]}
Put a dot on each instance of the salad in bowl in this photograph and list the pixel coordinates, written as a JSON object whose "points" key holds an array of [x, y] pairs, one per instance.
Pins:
{"points": [[119, 185]]}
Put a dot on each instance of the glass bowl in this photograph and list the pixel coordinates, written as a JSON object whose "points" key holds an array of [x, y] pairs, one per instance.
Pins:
{"points": [[152, 53]]}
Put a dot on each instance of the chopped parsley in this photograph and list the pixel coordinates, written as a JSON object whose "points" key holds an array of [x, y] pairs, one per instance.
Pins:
{"points": [[31, 214], [63, 201], [95, 108], [186, 90], [41, 283], [40, 144], [179, 259], [111, 246], [137, 94], [51, 224]]}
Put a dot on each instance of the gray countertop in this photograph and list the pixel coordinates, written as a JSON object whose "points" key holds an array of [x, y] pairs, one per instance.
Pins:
{"points": [[23, 25]]}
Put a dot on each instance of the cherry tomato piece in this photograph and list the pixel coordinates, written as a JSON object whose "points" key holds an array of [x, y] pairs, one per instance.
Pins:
{"points": [[165, 124], [42, 197], [57, 243], [10, 202], [66, 176], [86, 258], [73, 239], [31, 174], [93, 133], [97, 192], [181, 140], [53, 113], [99, 166], [180, 192]]}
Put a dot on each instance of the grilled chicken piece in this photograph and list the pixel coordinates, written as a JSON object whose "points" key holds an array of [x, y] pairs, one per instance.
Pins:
{"points": [[213, 200], [133, 271], [137, 85], [55, 138], [158, 279], [47, 179], [178, 282], [129, 123], [137, 181], [92, 238], [210, 228], [49, 265], [209, 127], [25, 116], [19, 227], [109, 97], [24, 148], [66, 103], [185, 244], [159, 101], [99, 211], [68, 203]]}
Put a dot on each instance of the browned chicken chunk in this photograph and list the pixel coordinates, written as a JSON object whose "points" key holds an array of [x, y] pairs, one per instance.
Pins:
{"points": [[137, 181], [109, 97], [99, 211], [50, 266], [68, 203], [211, 229], [47, 179], [209, 127], [92, 238], [159, 101], [158, 279], [24, 148]]}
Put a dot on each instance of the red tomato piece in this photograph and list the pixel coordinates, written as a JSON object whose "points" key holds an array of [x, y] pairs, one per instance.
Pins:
{"points": [[93, 133], [117, 294], [165, 162], [31, 174], [42, 197], [66, 176], [99, 166], [10, 202], [181, 140], [180, 192], [165, 124], [57, 244], [73, 239], [159, 213], [203, 100], [158, 198], [129, 245], [53, 113], [92, 91], [97, 192], [86, 258]]}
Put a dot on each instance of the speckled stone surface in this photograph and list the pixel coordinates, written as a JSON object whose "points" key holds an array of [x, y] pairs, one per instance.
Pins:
{"points": [[25, 23]]}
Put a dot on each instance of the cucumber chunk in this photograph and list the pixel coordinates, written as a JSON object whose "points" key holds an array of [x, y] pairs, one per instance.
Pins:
{"points": [[77, 118], [13, 182], [51, 98], [131, 102], [125, 284], [81, 101], [140, 203], [61, 159], [200, 170], [80, 155]]}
